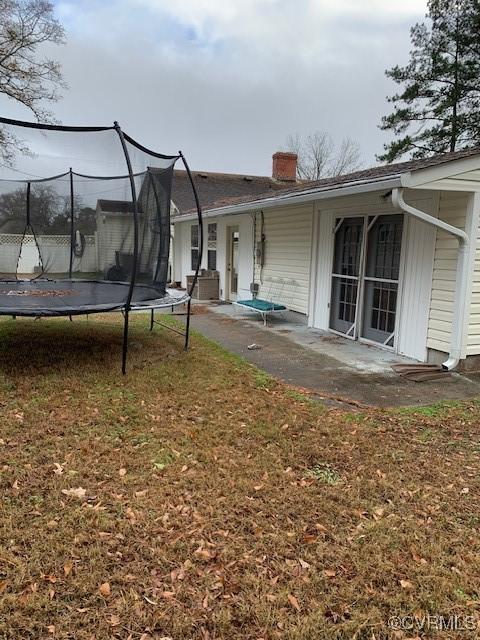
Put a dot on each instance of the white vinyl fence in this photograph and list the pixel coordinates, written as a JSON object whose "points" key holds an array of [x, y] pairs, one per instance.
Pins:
{"points": [[56, 252]]}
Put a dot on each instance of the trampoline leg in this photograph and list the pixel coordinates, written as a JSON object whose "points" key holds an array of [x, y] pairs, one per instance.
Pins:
{"points": [[125, 342], [187, 327], [151, 319]]}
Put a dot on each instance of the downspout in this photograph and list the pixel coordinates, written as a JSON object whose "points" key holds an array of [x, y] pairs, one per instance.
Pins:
{"points": [[461, 276]]}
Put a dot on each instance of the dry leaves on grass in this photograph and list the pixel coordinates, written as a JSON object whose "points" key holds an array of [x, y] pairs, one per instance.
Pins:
{"points": [[294, 602], [78, 492], [105, 589], [237, 544]]}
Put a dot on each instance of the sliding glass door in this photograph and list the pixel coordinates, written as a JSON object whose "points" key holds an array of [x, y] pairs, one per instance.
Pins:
{"points": [[382, 269], [365, 277], [346, 274]]}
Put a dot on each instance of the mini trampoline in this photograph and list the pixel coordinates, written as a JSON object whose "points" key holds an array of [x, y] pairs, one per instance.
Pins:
{"points": [[85, 224]]}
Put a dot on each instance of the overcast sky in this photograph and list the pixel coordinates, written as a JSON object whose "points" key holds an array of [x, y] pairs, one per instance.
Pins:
{"points": [[227, 80]]}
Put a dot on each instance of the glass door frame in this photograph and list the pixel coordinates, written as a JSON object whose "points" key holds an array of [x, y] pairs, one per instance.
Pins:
{"points": [[355, 333], [351, 334], [229, 271]]}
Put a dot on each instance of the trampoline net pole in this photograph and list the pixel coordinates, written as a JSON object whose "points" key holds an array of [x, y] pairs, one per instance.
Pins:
{"points": [[200, 223], [135, 244], [72, 227], [200, 242]]}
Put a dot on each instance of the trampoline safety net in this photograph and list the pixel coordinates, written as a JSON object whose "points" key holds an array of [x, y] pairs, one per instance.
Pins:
{"points": [[84, 219]]}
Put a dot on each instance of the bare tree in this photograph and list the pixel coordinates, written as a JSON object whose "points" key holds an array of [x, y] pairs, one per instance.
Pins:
{"points": [[26, 76], [319, 156]]}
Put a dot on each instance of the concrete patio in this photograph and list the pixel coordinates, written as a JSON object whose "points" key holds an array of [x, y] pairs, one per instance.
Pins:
{"points": [[338, 371]]}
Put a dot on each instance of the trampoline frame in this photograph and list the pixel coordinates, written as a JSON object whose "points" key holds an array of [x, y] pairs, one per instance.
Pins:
{"points": [[128, 306]]}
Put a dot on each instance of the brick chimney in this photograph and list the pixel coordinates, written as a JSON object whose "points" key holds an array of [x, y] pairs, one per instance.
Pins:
{"points": [[284, 166]]}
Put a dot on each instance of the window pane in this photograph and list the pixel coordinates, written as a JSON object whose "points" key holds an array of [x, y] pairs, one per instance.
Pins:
{"points": [[194, 259], [348, 244], [384, 247], [212, 259], [212, 233], [194, 235]]}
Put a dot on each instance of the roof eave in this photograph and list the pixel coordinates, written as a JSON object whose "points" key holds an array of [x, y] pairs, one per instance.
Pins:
{"points": [[454, 175], [298, 198]]}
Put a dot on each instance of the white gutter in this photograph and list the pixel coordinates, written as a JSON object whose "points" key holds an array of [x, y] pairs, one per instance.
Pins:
{"points": [[299, 197], [461, 279]]}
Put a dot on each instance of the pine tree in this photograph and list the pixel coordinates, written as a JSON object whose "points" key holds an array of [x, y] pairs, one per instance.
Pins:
{"points": [[438, 109]]}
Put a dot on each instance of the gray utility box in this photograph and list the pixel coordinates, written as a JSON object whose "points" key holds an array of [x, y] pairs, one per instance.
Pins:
{"points": [[207, 287]]}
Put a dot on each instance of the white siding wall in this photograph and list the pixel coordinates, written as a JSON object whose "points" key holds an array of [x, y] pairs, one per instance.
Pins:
{"points": [[288, 233], [288, 240], [416, 286], [473, 336], [452, 209]]}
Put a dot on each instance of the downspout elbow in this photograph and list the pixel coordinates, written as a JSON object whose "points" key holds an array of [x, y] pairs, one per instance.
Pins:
{"points": [[451, 364]]}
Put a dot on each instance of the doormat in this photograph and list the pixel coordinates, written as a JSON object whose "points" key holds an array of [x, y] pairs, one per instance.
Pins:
{"points": [[421, 372]]}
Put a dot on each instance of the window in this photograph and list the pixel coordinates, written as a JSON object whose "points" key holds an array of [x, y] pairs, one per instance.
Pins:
{"points": [[212, 247], [194, 247]]}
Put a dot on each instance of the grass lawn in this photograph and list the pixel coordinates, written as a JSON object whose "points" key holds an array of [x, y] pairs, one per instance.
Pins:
{"points": [[198, 498]]}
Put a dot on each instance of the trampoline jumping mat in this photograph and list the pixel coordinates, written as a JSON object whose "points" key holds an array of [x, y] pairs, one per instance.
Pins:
{"points": [[69, 297]]}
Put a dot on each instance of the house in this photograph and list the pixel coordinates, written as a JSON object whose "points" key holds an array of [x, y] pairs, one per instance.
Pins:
{"points": [[213, 190], [387, 256]]}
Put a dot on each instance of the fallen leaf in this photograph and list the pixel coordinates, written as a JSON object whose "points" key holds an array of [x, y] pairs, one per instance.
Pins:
{"points": [[79, 492], [294, 602], [406, 584], [67, 568], [310, 538], [105, 590], [330, 573], [130, 513], [58, 471], [205, 554], [417, 557]]}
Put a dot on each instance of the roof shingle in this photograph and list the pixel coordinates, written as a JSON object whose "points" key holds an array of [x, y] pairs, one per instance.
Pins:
{"points": [[217, 187], [373, 173]]}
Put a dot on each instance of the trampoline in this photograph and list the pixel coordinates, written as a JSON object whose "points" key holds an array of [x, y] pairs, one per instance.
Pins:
{"points": [[85, 224]]}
